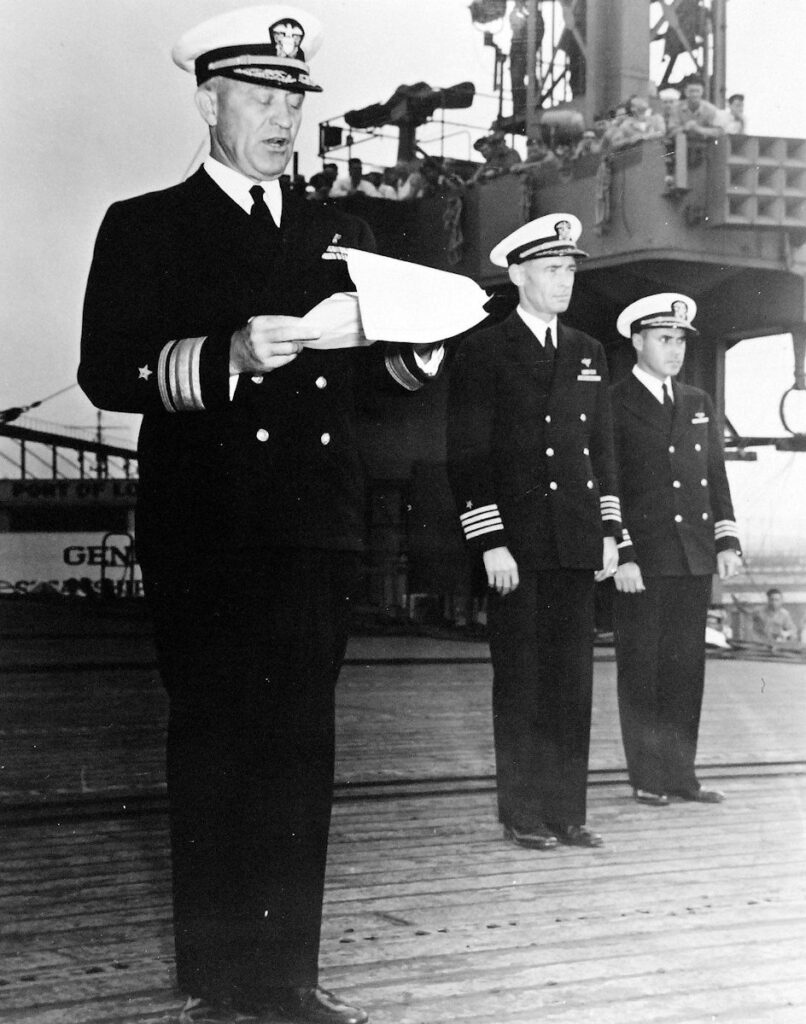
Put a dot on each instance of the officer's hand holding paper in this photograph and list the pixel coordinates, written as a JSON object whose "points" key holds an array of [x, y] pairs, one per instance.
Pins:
{"points": [[338, 320], [396, 301], [266, 343]]}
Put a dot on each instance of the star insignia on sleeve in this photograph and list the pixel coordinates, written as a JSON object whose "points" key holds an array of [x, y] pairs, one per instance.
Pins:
{"points": [[143, 372], [468, 504]]}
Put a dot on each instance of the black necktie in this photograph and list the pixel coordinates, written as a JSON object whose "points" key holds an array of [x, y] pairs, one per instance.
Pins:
{"points": [[548, 345], [260, 213], [668, 406]]}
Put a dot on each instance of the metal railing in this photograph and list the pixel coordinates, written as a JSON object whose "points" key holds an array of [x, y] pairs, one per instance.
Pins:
{"points": [[65, 457]]}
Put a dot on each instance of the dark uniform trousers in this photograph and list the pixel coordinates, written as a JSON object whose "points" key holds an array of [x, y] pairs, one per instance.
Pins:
{"points": [[530, 459], [250, 519], [660, 656], [250, 662], [677, 515], [541, 644]]}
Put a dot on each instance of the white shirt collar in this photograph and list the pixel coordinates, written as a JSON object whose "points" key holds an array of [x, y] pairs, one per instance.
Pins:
{"points": [[652, 383], [539, 327], [237, 186]]}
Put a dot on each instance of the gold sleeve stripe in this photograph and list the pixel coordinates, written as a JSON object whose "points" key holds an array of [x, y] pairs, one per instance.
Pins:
{"points": [[610, 506], [486, 519], [162, 376], [400, 372], [492, 527], [179, 375], [478, 513]]}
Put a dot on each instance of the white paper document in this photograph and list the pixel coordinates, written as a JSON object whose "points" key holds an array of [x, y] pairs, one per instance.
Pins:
{"points": [[396, 301], [410, 303], [339, 319]]}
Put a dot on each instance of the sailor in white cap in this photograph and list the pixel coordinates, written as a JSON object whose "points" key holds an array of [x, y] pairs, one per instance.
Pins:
{"points": [[679, 529], [669, 103], [251, 515], [531, 465]]}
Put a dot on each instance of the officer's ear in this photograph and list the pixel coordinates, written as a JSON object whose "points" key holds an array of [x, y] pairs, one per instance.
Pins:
{"points": [[207, 103], [515, 271], [638, 341]]}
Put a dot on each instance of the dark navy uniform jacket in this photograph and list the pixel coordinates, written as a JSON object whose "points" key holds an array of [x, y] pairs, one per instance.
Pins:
{"points": [[530, 448], [674, 488], [174, 274]]}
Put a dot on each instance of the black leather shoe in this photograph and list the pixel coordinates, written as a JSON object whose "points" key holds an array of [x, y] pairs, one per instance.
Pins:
{"points": [[315, 1006], [536, 838], [645, 796], [202, 1011], [576, 835], [700, 796]]}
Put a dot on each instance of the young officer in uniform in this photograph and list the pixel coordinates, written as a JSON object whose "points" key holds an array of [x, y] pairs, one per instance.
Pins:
{"points": [[530, 460], [678, 530], [251, 510]]}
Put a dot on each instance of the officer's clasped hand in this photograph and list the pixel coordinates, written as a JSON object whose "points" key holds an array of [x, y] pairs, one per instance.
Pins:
{"points": [[609, 560], [628, 579], [502, 570], [266, 343]]}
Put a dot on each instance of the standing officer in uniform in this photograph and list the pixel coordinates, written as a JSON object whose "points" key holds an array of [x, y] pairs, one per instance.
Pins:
{"points": [[251, 509], [678, 531], [530, 460]]}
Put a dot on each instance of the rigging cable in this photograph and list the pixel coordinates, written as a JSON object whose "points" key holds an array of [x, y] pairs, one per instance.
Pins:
{"points": [[8, 415]]}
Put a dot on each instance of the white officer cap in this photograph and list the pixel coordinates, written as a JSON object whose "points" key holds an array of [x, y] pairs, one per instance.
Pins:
{"points": [[668, 309], [267, 45], [669, 94], [555, 234]]}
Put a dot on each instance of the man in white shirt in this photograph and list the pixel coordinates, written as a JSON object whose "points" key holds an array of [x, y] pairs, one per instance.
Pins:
{"points": [[639, 124], [733, 117], [695, 116], [679, 530], [669, 103], [354, 182], [250, 513], [773, 623], [530, 462]]}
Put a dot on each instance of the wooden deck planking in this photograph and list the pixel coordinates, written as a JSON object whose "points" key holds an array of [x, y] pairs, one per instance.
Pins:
{"points": [[101, 731], [688, 914]]}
